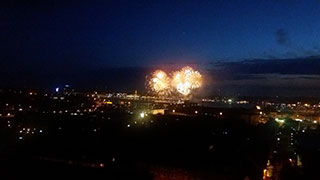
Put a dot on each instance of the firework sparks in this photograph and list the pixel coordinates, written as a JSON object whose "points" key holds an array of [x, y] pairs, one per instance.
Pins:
{"points": [[160, 83], [184, 82]]}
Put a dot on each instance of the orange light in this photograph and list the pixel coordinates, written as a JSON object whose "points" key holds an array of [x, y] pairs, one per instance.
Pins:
{"points": [[264, 173], [108, 102]]}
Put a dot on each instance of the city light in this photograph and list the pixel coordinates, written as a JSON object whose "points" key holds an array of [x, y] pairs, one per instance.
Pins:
{"points": [[264, 173], [280, 121]]}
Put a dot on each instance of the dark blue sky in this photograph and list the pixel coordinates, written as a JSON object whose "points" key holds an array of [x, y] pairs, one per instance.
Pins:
{"points": [[144, 33], [94, 43]]}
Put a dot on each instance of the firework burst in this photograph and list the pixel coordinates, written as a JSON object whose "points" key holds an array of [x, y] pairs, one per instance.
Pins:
{"points": [[183, 82], [160, 83], [186, 80]]}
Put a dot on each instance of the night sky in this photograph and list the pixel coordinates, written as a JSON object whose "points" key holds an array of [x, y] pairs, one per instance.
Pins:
{"points": [[58, 41]]}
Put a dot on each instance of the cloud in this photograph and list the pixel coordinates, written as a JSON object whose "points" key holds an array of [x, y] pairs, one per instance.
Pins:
{"points": [[296, 77], [282, 37], [309, 65]]}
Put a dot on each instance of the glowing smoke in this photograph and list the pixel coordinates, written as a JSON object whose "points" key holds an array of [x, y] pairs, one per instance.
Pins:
{"points": [[184, 82]]}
